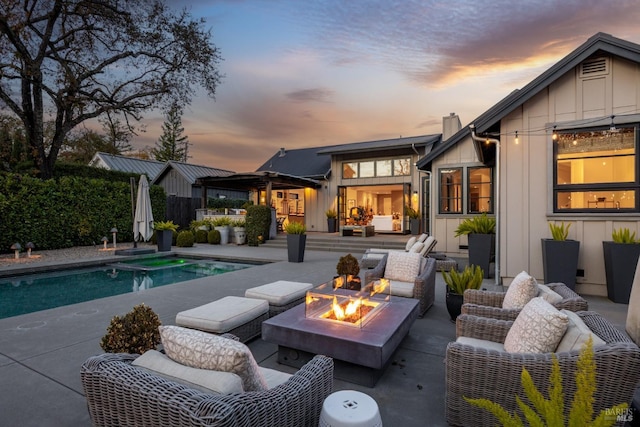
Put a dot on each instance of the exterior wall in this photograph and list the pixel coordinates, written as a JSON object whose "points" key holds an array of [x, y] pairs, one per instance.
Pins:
{"points": [[526, 175], [175, 184]]}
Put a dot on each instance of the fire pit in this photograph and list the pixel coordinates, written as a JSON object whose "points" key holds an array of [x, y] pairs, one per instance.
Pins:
{"points": [[331, 302]]}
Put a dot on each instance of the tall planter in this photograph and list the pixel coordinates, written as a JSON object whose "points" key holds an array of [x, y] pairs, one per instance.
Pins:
{"points": [[481, 250], [454, 304], [560, 261], [224, 234], [295, 247], [414, 225], [620, 260], [164, 238], [332, 224]]}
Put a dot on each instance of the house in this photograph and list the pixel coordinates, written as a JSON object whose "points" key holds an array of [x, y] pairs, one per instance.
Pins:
{"points": [[180, 179], [151, 168], [562, 148], [375, 178]]}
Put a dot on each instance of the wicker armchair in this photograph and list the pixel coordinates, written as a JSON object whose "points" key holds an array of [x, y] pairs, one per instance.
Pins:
{"points": [[489, 303], [119, 394], [477, 372], [424, 287]]}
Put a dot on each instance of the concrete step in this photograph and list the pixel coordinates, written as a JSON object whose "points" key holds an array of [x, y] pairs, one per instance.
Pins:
{"points": [[334, 243]]}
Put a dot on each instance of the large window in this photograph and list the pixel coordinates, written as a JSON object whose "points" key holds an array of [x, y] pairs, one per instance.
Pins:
{"points": [[378, 168], [476, 188], [596, 170], [451, 190]]}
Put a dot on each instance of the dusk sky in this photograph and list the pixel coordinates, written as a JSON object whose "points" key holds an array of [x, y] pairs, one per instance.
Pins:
{"points": [[313, 73]]}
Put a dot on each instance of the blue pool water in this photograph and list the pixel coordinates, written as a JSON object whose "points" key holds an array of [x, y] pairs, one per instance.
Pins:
{"points": [[35, 292]]}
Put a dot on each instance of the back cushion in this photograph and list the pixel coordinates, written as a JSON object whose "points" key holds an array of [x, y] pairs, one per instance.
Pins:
{"points": [[410, 243], [577, 334], [521, 290], [402, 266], [207, 351]]}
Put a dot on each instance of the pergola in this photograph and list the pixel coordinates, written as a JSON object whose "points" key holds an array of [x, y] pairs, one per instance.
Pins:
{"points": [[262, 181]]}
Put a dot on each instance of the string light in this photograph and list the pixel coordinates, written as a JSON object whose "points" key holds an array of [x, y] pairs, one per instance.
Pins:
{"points": [[613, 128], [517, 140], [554, 136]]}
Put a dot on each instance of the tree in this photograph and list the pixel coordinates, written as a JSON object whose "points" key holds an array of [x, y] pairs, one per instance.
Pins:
{"points": [[118, 134], [80, 146], [68, 61], [172, 145]]}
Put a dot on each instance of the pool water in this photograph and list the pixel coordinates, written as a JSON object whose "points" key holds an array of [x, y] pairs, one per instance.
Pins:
{"points": [[35, 292]]}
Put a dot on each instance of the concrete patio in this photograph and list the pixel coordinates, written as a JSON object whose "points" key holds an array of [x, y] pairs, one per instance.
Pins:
{"points": [[41, 353]]}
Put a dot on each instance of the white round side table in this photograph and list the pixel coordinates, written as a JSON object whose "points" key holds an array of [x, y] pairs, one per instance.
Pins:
{"points": [[350, 408]]}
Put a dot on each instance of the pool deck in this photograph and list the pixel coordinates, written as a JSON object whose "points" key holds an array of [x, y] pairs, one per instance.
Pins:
{"points": [[41, 353]]}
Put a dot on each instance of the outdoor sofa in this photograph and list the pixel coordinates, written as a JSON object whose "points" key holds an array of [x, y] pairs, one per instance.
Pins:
{"points": [[121, 394], [479, 371]]}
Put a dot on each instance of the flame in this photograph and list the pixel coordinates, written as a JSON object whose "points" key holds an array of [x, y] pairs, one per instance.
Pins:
{"points": [[338, 282], [380, 287], [351, 308], [310, 299]]}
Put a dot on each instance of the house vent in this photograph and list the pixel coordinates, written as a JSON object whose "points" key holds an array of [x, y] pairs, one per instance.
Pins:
{"points": [[594, 67]]}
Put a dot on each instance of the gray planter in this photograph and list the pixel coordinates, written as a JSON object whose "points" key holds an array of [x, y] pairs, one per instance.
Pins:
{"points": [[295, 247], [620, 260], [560, 261], [224, 234], [332, 224], [414, 225], [164, 238], [482, 251]]}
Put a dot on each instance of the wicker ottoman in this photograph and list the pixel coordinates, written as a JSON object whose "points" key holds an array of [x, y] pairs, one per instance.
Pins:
{"points": [[281, 295], [239, 316]]}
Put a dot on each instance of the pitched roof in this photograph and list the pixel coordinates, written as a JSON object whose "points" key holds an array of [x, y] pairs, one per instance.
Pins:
{"points": [[190, 172], [600, 42], [383, 144], [128, 164], [302, 162]]}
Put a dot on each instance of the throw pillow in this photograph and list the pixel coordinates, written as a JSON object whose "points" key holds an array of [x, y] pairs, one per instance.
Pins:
{"points": [[520, 291], [417, 247], [422, 237], [549, 295], [207, 351], [577, 334], [402, 266], [410, 243], [538, 328], [201, 379]]}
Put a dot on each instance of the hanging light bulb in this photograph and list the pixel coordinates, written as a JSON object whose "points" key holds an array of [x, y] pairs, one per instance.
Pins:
{"points": [[517, 140], [554, 135], [575, 139], [612, 128]]}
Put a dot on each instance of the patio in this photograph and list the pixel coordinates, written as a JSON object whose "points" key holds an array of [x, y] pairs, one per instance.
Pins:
{"points": [[41, 353]]}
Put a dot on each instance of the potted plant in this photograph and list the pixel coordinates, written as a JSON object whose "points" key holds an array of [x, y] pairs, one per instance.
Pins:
{"points": [[296, 240], [332, 220], [620, 260], [470, 278], [349, 267], [481, 234], [414, 220], [222, 224], [164, 234], [135, 332], [239, 231], [560, 256]]}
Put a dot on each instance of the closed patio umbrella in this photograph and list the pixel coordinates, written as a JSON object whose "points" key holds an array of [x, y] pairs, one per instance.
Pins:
{"points": [[143, 218]]}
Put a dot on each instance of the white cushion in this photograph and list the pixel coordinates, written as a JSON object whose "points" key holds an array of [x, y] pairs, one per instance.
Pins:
{"points": [[549, 295], [274, 378], [423, 237], [410, 243], [417, 247], [401, 289], [477, 342], [281, 292], [520, 291], [428, 245], [538, 328], [577, 334], [207, 351], [223, 315], [402, 266], [201, 379]]}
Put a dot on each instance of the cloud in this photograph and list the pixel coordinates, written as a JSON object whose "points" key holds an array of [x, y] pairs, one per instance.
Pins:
{"points": [[310, 95]]}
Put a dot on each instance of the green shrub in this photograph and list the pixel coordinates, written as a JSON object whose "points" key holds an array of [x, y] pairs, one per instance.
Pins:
{"points": [[559, 232], [221, 221], [481, 224], [202, 236], [185, 239], [238, 223], [258, 221], [135, 332], [196, 224], [348, 265], [294, 227], [470, 278], [214, 237], [624, 235]]}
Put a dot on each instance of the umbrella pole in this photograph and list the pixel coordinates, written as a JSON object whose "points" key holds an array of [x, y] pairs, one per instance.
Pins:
{"points": [[133, 210]]}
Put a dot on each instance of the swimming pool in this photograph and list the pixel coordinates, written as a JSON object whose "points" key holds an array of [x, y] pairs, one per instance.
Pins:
{"points": [[41, 291]]}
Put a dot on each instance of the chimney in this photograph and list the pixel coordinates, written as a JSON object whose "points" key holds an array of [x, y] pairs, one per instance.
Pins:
{"points": [[282, 152], [450, 125]]}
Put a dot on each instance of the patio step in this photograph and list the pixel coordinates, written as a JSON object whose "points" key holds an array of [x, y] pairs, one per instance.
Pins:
{"points": [[335, 243]]}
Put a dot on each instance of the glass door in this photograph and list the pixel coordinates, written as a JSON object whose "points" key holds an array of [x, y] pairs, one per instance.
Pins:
{"points": [[342, 206]]}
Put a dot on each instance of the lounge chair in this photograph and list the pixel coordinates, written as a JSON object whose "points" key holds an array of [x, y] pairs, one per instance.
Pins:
{"points": [[423, 245]]}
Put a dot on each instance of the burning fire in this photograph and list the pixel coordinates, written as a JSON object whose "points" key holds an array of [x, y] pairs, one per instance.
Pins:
{"points": [[349, 310]]}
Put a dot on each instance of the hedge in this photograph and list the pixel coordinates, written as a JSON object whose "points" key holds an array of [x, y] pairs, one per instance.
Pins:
{"points": [[67, 211], [258, 221]]}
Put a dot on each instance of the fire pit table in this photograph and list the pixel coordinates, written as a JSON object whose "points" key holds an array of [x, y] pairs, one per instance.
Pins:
{"points": [[361, 352]]}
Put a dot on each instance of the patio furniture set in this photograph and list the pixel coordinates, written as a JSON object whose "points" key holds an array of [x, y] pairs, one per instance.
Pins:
{"points": [[198, 383]]}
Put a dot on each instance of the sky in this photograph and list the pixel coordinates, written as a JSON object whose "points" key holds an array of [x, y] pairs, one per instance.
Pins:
{"points": [[302, 73]]}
